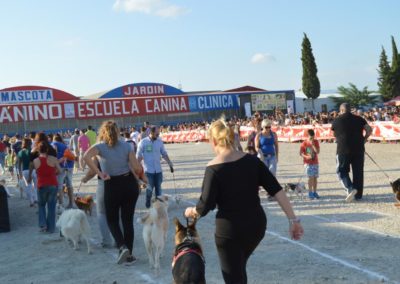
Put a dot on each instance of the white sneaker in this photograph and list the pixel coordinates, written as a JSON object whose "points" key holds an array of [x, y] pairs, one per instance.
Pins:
{"points": [[350, 195]]}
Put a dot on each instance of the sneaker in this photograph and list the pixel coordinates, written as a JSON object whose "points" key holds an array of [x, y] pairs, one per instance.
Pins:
{"points": [[311, 195], [123, 255], [350, 195], [316, 195], [130, 260]]}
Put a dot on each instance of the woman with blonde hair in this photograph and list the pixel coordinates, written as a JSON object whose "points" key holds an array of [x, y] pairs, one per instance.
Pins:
{"points": [[266, 143], [231, 184], [118, 166]]}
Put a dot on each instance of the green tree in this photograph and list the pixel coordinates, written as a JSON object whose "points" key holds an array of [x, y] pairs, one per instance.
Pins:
{"points": [[354, 96], [394, 87], [385, 77], [311, 86]]}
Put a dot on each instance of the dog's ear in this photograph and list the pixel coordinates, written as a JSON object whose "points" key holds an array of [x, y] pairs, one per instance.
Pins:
{"points": [[178, 225], [193, 224]]}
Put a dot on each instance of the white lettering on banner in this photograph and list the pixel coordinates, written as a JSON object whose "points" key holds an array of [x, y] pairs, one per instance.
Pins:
{"points": [[144, 90], [134, 108], [117, 107], [161, 105], [81, 110], [55, 112], [26, 96], [124, 111], [210, 102]]}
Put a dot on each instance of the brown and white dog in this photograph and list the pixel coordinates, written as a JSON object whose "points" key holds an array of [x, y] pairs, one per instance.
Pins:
{"points": [[85, 203], [396, 189], [188, 265], [155, 228], [297, 188]]}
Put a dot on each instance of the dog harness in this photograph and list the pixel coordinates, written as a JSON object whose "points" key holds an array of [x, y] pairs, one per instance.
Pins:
{"points": [[187, 246]]}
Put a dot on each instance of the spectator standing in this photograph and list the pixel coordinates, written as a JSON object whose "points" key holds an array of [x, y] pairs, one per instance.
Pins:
{"points": [[65, 175], [150, 150], [121, 191], [83, 146], [24, 159], [73, 145], [134, 135], [3, 152], [309, 150], [47, 167], [266, 143], [91, 134], [348, 130]]}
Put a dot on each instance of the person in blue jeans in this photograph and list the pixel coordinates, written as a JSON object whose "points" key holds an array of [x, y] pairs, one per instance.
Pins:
{"points": [[266, 143], [47, 167], [150, 150]]}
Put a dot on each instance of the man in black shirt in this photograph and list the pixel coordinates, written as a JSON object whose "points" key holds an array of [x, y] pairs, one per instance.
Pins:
{"points": [[348, 130]]}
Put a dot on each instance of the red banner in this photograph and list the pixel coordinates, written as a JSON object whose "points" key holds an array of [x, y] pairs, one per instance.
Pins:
{"points": [[381, 131], [86, 109]]}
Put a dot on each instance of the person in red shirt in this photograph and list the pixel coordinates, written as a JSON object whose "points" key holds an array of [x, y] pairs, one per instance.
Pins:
{"points": [[309, 150], [47, 167]]}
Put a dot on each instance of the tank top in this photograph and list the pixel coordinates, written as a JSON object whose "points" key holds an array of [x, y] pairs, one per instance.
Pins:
{"points": [[267, 144], [46, 175]]}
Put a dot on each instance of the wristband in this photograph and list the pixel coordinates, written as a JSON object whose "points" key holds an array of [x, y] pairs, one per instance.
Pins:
{"points": [[293, 221]]}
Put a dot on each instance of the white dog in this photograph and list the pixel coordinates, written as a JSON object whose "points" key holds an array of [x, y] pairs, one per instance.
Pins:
{"points": [[155, 228], [297, 188], [73, 224]]}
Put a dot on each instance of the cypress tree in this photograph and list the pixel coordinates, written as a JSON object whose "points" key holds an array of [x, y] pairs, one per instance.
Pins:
{"points": [[395, 71], [311, 85], [384, 78]]}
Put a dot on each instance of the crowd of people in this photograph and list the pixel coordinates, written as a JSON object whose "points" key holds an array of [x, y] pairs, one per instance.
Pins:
{"points": [[123, 158]]}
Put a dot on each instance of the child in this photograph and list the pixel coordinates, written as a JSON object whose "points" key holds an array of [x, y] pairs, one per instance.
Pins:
{"points": [[10, 162], [309, 150]]}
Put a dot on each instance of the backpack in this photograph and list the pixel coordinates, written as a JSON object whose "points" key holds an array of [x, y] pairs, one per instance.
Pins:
{"points": [[69, 155]]}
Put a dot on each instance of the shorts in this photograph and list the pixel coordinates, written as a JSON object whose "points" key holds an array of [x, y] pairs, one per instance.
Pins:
{"points": [[64, 176], [312, 170]]}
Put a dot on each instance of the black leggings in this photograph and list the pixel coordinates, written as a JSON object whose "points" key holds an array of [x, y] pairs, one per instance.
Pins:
{"points": [[235, 242], [121, 193]]}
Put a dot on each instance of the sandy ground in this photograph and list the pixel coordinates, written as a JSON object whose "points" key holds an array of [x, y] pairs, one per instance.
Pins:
{"points": [[343, 243]]}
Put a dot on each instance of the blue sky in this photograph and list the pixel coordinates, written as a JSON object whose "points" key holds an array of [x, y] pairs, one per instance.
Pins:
{"points": [[84, 47]]}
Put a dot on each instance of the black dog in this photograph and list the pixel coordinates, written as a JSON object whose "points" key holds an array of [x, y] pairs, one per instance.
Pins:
{"points": [[396, 189], [188, 265]]}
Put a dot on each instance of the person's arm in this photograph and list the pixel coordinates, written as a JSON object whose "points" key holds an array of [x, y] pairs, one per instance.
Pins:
{"points": [[164, 154], [272, 186], [315, 145], [134, 165], [90, 173], [276, 146], [139, 151], [88, 158], [368, 131], [208, 198], [257, 143], [56, 164]]}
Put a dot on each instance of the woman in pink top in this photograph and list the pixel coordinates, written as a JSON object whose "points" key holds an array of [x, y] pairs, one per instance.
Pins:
{"points": [[83, 146]]}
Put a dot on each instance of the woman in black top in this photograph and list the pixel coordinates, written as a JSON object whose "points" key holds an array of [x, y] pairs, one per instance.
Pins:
{"points": [[231, 183]]}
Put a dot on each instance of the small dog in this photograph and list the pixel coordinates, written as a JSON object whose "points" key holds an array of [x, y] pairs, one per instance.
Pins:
{"points": [[73, 224], [188, 265], [85, 203], [396, 190], [155, 228], [297, 188]]}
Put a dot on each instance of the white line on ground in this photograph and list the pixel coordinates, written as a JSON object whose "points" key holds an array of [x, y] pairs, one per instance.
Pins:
{"points": [[342, 223], [335, 259]]}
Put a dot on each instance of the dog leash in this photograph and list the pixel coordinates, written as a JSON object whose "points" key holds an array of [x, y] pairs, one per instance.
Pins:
{"points": [[177, 198], [369, 156], [79, 187]]}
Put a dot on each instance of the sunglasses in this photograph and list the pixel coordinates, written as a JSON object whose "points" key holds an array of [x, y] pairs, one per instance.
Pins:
{"points": [[267, 127]]}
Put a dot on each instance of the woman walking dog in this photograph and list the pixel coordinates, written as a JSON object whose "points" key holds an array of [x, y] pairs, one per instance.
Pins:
{"points": [[121, 188], [231, 183]]}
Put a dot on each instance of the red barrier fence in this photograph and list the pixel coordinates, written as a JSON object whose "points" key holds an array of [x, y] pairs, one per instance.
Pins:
{"points": [[381, 131]]}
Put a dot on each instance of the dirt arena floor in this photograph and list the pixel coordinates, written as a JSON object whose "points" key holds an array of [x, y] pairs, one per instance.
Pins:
{"points": [[357, 242]]}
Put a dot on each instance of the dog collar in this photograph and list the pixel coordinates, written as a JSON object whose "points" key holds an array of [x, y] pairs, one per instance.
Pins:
{"points": [[186, 251]]}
